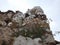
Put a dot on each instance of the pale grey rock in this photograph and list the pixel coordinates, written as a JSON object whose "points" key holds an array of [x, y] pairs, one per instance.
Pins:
{"points": [[9, 24], [37, 41], [48, 30], [37, 10], [10, 15], [20, 41], [26, 41], [3, 23], [28, 12], [18, 17], [23, 41], [30, 41], [13, 24], [49, 38], [29, 17]]}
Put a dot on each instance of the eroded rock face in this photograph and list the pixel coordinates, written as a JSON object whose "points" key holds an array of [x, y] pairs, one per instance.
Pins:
{"points": [[36, 10], [6, 35], [18, 17], [26, 41], [30, 28]]}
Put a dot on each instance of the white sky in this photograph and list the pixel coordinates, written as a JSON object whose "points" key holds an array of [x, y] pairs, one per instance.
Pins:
{"points": [[50, 7]]}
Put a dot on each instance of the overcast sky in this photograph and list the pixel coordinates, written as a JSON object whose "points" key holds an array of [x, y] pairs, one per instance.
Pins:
{"points": [[50, 7]]}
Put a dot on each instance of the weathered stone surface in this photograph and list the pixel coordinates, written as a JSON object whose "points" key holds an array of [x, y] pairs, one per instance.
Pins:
{"points": [[20, 41], [26, 41], [18, 17], [5, 35], [30, 28], [38, 41], [36, 10], [49, 38], [2, 23]]}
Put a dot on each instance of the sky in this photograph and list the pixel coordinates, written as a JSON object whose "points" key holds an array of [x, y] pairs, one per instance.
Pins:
{"points": [[51, 9]]}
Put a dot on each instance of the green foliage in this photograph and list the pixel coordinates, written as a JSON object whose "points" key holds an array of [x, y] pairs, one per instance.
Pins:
{"points": [[38, 32]]}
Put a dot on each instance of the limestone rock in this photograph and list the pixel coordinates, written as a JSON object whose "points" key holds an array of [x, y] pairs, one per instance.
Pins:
{"points": [[23, 41], [18, 17], [26, 41], [5, 35], [30, 28], [10, 14], [37, 41], [36, 10], [2, 23], [49, 38]]}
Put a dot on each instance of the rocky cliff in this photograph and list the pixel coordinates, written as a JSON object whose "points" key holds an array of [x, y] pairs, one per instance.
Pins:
{"points": [[30, 28]]}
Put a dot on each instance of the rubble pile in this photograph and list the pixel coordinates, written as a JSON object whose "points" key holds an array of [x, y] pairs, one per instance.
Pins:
{"points": [[30, 28]]}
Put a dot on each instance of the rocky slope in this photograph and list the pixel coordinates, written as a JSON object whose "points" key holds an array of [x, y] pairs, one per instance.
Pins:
{"points": [[30, 28]]}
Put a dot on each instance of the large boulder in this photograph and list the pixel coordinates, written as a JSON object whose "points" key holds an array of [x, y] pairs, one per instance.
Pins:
{"points": [[21, 40], [30, 28], [18, 18], [35, 11]]}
